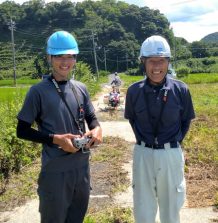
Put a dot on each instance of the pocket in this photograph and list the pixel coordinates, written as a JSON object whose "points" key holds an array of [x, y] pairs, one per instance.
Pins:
{"points": [[171, 114], [43, 195], [176, 163], [181, 194], [141, 115], [46, 200], [181, 188]]}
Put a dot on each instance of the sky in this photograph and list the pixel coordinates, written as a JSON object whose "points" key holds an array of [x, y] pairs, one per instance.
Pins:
{"points": [[190, 19]]}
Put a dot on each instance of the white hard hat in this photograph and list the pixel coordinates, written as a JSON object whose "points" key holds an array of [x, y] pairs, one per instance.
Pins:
{"points": [[155, 46]]}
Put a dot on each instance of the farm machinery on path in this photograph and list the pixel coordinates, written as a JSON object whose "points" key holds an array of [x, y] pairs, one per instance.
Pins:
{"points": [[113, 100]]}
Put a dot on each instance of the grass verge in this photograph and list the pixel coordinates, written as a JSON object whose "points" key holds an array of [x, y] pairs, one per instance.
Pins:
{"points": [[107, 175]]}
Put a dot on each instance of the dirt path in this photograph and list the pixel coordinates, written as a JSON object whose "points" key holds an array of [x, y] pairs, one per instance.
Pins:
{"points": [[188, 215], [28, 213], [122, 129]]}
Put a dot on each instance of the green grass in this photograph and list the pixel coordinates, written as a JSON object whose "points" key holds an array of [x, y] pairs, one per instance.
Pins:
{"points": [[190, 79], [19, 82], [128, 80], [22, 186], [200, 78], [9, 93], [202, 139], [111, 215]]}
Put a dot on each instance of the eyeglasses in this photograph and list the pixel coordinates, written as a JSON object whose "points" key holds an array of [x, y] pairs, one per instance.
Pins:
{"points": [[65, 57]]}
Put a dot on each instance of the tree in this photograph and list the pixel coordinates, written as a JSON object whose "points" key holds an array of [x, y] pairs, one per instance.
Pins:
{"points": [[115, 26], [199, 49]]}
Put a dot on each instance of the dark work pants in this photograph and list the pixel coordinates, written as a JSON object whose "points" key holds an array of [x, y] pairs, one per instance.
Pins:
{"points": [[64, 196]]}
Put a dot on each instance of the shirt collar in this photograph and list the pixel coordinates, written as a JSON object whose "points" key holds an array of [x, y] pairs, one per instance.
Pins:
{"points": [[150, 88]]}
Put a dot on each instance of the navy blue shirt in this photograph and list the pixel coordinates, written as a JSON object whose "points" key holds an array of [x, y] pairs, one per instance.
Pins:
{"points": [[143, 110]]}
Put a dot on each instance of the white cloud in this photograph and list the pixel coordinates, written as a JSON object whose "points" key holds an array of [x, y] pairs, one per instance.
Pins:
{"points": [[190, 19], [196, 28]]}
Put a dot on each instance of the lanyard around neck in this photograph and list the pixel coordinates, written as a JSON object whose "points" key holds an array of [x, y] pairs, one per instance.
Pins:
{"points": [[80, 122], [163, 102]]}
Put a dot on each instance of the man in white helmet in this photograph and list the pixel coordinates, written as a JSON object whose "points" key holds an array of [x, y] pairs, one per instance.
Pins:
{"points": [[116, 82], [60, 107], [160, 111]]}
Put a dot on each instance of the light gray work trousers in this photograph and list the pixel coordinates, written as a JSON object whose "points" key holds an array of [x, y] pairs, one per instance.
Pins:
{"points": [[158, 180]]}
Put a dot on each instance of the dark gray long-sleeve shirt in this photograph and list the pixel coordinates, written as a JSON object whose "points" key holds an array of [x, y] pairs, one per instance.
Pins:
{"points": [[44, 106]]}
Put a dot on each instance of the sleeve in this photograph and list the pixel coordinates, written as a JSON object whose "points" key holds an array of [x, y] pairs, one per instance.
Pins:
{"points": [[92, 121], [31, 107], [24, 131], [185, 127], [188, 113], [129, 112]]}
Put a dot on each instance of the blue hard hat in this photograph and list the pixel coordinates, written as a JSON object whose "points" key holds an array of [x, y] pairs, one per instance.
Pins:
{"points": [[61, 42]]}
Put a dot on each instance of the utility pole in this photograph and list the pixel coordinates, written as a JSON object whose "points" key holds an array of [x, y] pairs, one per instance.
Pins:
{"points": [[11, 27], [95, 57], [175, 63], [117, 63], [127, 67], [105, 60]]}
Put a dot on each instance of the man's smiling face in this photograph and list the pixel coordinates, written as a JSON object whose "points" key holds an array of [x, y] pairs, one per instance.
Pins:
{"points": [[156, 69]]}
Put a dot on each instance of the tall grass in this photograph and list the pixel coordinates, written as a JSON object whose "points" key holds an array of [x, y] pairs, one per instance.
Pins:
{"points": [[189, 79], [202, 139], [9, 93], [10, 82], [200, 78]]}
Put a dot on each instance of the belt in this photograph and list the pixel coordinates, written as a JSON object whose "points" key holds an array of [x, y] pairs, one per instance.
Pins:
{"points": [[168, 145]]}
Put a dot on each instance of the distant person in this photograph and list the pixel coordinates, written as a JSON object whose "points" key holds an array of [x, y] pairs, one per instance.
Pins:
{"points": [[116, 81], [114, 97], [60, 107], [160, 111]]}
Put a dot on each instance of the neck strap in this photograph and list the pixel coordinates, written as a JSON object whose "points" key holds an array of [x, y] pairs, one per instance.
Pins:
{"points": [[80, 122], [163, 102]]}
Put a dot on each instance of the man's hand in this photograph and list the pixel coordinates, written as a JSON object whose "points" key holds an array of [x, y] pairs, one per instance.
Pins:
{"points": [[96, 136], [64, 141]]}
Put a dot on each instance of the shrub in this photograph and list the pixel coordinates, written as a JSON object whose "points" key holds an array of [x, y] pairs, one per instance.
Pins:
{"points": [[213, 68], [208, 61], [182, 71], [135, 72], [14, 153], [82, 71], [103, 73]]}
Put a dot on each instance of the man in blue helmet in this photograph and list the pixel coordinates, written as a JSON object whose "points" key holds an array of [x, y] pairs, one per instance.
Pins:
{"points": [[159, 110], [60, 107]]}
